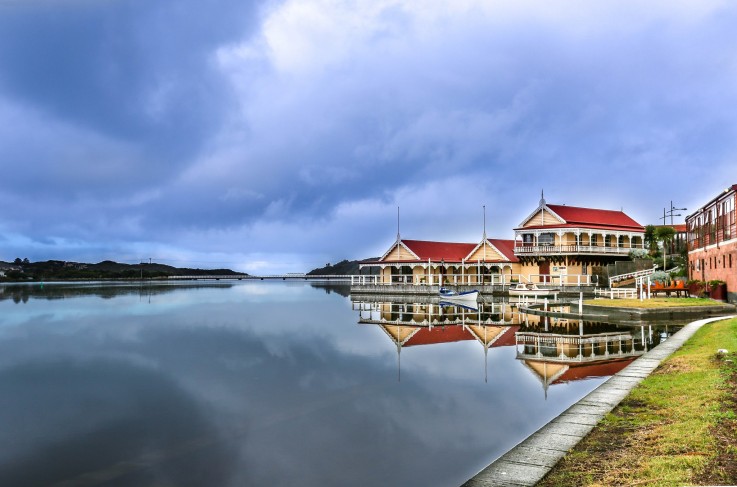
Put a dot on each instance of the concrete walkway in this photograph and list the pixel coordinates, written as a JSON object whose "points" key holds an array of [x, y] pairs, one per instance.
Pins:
{"points": [[528, 462]]}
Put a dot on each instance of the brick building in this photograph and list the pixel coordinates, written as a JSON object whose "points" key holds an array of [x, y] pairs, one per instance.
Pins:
{"points": [[712, 241]]}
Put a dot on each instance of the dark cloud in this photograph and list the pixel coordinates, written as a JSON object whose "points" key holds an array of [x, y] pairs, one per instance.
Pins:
{"points": [[161, 125], [111, 96]]}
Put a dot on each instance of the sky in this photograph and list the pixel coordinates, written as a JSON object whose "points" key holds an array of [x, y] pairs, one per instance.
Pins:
{"points": [[278, 136]]}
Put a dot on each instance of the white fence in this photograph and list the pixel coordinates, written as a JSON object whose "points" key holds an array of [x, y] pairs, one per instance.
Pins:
{"points": [[620, 293], [473, 280]]}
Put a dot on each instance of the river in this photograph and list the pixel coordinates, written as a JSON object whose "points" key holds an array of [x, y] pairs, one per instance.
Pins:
{"points": [[274, 383]]}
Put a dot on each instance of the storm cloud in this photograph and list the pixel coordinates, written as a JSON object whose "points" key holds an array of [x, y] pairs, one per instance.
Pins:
{"points": [[277, 136]]}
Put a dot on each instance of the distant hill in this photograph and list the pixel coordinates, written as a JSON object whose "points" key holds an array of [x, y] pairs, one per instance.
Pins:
{"points": [[63, 270], [343, 268]]}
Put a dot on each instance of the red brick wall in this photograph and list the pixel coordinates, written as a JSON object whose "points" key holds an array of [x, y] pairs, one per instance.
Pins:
{"points": [[716, 263]]}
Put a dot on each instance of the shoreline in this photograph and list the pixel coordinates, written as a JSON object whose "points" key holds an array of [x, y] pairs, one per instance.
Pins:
{"points": [[529, 461]]}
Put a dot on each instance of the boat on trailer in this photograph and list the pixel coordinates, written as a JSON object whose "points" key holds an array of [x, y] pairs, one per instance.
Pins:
{"points": [[530, 289], [450, 295]]}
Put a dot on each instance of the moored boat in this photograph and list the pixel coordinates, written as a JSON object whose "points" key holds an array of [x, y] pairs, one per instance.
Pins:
{"points": [[530, 289], [450, 295]]}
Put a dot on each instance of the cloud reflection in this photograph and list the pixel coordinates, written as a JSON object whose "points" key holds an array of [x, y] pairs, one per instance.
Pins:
{"points": [[226, 391]]}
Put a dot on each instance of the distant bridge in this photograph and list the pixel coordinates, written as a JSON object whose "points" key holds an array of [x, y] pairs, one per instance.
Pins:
{"points": [[247, 277]]}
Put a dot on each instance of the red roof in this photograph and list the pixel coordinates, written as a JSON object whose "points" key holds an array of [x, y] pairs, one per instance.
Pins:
{"points": [[601, 369], [506, 247], [439, 334], [454, 251], [435, 251], [607, 219], [678, 227], [573, 214], [507, 338]]}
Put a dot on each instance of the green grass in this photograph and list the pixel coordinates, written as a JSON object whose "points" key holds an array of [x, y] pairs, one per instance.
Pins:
{"points": [[652, 303], [661, 434]]}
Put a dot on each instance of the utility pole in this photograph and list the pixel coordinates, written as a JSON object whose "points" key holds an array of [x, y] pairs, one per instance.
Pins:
{"points": [[672, 209]]}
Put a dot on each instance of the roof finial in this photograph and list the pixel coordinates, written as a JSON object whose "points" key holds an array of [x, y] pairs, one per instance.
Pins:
{"points": [[542, 197]]}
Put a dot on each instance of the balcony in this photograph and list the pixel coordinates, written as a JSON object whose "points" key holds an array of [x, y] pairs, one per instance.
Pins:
{"points": [[572, 250]]}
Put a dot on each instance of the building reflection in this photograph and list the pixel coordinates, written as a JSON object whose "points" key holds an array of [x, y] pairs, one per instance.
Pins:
{"points": [[563, 350], [438, 313], [554, 350]]}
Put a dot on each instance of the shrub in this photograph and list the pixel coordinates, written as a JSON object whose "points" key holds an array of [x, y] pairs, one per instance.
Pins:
{"points": [[638, 254], [660, 276]]}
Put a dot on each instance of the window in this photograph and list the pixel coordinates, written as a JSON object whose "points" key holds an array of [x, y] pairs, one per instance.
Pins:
{"points": [[607, 240], [546, 239]]}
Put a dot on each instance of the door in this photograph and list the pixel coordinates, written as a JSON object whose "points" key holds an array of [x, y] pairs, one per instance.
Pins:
{"points": [[544, 271]]}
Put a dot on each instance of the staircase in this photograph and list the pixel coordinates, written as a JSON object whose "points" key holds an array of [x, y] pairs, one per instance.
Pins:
{"points": [[630, 277]]}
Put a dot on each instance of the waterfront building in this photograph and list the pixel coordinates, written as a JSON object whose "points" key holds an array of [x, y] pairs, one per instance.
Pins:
{"points": [[491, 261], [712, 241], [556, 244], [561, 244]]}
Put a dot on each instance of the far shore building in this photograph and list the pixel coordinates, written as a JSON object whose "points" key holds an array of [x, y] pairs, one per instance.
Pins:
{"points": [[712, 241], [560, 244]]}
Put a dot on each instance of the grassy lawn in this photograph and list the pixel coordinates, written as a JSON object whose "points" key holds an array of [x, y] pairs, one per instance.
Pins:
{"points": [[652, 303], [678, 427]]}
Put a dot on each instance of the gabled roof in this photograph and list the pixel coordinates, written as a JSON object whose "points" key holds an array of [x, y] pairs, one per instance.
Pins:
{"points": [[586, 371], [425, 250], [505, 247], [439, 334], [396, 244], [435, 251], [504, 338], [575, 216]]}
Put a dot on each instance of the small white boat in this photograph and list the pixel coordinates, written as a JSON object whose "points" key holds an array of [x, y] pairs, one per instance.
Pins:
{"points": [[450, 295], [460, 305], [530, 289]]}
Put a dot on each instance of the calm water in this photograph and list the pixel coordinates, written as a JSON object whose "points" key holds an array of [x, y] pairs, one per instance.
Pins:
{"points": [[272, 383]]}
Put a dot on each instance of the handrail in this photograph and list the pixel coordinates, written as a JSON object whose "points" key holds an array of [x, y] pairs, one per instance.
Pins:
{"points": [[593, 249], [632, 275]]}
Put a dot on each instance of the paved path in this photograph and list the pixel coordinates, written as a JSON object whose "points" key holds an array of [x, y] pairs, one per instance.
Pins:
{"points": [[527, 463]]}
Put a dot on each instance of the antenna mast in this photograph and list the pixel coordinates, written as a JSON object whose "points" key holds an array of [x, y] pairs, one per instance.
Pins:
{"points": [[398, 239], [484, 242]]}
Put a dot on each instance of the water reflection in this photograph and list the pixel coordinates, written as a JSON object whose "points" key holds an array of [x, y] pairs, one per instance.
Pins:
{"points": [[139, 428], [555, 350], [559, 350], [22, 293], [260, 383]]}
